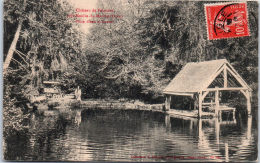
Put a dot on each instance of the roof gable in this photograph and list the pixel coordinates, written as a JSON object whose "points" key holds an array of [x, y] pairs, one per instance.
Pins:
{"points": [[196, 76]]}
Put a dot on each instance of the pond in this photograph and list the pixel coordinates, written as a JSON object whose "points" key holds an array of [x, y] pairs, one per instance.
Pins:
{"points": [[133, 135]]}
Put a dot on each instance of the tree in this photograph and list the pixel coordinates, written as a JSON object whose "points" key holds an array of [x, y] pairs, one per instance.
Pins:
{"points": [[48, 40], [148, 47], [118, 63], [40, 43], [15, 39]]}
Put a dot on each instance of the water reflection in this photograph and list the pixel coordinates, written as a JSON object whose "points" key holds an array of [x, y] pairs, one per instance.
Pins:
{"points": [[122, 135], [78, 117]]}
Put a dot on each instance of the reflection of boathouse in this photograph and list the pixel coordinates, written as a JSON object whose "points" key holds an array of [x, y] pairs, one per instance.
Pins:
{"points": [[202, 84], [215, 138]]}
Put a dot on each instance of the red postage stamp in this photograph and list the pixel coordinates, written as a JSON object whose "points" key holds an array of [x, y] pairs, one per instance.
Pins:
{"points": [[226, 20]]}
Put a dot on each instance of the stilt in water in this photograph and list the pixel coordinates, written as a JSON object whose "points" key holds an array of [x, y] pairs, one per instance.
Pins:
{"points": [[226, 152], [167, 121], [217, 130], [249, 127], [78, 117]]}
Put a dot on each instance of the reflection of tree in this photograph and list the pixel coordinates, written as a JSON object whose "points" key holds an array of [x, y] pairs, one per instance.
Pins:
{"points": [[113, 134], [47, 136], [118, 135], [42, 141], [16, 147]]}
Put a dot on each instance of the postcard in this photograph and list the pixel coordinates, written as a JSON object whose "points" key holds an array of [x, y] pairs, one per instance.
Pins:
{"points": [[130, 81]]}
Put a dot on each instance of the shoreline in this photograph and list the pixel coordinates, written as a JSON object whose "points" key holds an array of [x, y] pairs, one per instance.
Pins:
{"points": [[124, 105], [67, 105]]}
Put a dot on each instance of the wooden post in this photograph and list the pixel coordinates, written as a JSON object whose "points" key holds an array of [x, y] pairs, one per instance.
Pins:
{"points": [[249, 127], [196, 102], [200, 129], [167, 121], [226, 152], [191, 124], [168, 102], [202, 142], [248, 101], [225, 76], [217, 103], [217, 130], [200, 104], [234, 115]]}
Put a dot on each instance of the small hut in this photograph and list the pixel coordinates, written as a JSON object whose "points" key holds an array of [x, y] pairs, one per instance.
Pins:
{"points": [[200, 79]]}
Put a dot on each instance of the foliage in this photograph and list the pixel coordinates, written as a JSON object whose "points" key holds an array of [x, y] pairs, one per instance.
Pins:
{"points": [[145, 49], [14, 115], [48, 42], [134, 57]]}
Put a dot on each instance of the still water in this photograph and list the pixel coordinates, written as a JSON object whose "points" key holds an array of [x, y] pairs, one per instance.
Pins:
{"points": [[128, 135]]}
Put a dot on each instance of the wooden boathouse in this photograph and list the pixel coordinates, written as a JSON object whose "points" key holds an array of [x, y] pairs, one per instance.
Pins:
{"points": [[202, 81]]}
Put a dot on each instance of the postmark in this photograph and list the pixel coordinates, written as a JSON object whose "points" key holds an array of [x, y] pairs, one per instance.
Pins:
{"points": [[226, 20]]}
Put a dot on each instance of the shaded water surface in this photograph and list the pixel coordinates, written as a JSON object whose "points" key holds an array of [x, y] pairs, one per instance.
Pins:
{"points": [[128, 135]]}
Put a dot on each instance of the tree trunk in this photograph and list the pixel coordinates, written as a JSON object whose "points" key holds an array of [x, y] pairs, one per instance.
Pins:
{"points": [[13, 44], [12, 47]]}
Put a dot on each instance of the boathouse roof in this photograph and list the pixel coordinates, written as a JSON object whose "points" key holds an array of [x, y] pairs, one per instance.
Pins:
{"points": [[200, 76]]}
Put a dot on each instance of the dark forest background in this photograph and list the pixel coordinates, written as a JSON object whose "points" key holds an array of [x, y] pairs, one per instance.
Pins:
{"points": [[135, 57]]}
